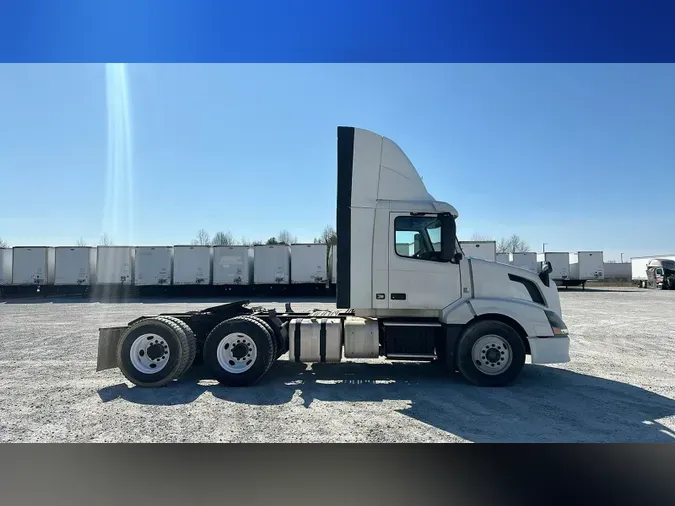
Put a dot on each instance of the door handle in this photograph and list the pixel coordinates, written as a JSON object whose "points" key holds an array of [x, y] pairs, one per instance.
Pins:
{"points": [[398, 296]]}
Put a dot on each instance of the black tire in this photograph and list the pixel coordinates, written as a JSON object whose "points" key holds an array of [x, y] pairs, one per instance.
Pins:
{"points": [[465, 362], [269, 330], [257, 333], [177, 344], [191, 340]]}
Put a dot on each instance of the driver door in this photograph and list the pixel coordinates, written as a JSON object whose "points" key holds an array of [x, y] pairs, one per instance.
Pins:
{"points": [[416, 279]]}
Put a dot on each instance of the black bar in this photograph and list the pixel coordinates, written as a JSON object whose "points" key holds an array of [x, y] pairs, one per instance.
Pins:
{"points": [[322, 341], [297, 338]]}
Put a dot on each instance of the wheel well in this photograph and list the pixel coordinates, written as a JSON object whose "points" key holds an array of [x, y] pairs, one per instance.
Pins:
{"points": [[508, 321]]}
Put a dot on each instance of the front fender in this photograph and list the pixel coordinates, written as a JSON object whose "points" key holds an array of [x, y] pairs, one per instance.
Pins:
{"points": [[530, 316]]}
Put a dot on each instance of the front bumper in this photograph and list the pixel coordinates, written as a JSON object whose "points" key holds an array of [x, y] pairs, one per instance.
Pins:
{"points": [[549, 350]]}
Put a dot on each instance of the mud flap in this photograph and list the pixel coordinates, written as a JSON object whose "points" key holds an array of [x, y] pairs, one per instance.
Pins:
{"points": [[108, 338]]}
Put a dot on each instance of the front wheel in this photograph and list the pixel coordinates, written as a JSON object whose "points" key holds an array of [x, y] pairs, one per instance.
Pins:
{"points": [[490, 353]]}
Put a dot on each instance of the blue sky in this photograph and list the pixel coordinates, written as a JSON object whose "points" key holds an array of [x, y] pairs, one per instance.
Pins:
{"points": [[578, 156]]}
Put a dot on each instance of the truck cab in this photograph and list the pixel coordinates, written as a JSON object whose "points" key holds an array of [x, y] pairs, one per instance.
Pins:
{"points": [[661, 274], [405, 291]]}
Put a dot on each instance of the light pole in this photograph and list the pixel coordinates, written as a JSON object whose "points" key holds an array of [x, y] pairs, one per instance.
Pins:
{"points": [[621, 257], [543, 247]]}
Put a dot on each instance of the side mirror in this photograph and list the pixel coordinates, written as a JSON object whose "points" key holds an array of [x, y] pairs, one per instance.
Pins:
{"points": [[544, 275], [448, 238]]}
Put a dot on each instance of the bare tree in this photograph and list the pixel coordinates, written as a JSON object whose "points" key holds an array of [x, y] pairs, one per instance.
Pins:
{"points": [[81, 242], [3, 244], [513, 244], [255, 242], [223, 239], [106, 240], [328, 236], [285, 237], [202, 239]]}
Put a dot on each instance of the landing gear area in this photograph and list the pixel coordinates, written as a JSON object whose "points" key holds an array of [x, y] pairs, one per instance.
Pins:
{"points": [[239, 344], [571, 282]]}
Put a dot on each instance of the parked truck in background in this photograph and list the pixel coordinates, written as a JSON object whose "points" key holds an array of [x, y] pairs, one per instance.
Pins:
{"points": [[654, 272], [481, 318]]}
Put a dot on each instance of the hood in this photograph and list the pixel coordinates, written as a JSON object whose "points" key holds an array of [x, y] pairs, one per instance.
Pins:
{"points": [[496, 280]]}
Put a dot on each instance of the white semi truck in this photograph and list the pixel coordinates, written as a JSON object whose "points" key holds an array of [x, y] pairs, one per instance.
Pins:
{"points": [[430, 303]]}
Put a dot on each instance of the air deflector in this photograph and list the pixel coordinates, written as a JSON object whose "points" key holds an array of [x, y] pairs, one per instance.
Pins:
{"points": [[345, 168]]}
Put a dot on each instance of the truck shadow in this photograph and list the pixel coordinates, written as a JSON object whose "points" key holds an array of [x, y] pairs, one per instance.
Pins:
{"points": [[546, 404]]}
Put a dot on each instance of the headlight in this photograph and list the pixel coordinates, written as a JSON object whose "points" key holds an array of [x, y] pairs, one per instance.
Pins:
{"points": [[557, 325]]}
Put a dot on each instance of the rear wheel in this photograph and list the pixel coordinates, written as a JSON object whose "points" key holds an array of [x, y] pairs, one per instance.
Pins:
{"points": [[239, 351], [490, 353], [152, 352], [191, 341], [268, 329]]}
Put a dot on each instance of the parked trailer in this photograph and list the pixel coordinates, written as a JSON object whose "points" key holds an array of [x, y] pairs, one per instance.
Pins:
{"points": [[114, 265], [526, 260], [645, 269], [503, 258], [192, 265], [309, 267], [586, 266], [153, 265], [485, 250], [560, 263], [333, 265], [75, 268], [5, 266], [617, 270], [233, 266], [33, 266], [435, 304], [272, 265]]}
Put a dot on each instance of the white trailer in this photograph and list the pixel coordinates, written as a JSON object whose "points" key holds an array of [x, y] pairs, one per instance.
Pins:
{"points": [[75, 266], [114, 265], [560, 264], [333, 265], [526, 260], [587, 265], [617, 270], [232, 265], [33, 265], [485, 250], [272, 264], [192, 265], [477, 317], [5, 266], [152, 265], [503, 258], [309, 264]]}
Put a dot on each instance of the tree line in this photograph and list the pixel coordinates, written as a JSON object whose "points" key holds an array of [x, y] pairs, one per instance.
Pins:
{"points": [[512, 244]]}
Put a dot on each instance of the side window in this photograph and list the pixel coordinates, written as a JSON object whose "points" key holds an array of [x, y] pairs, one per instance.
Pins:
{"points": [[417, 237]]}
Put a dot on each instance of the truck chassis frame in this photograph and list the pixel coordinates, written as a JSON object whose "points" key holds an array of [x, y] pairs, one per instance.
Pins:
{"points": [[433, 341]]}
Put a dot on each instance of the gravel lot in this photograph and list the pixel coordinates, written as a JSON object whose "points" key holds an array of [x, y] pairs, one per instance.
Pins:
{"points": [[620, 386]]}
